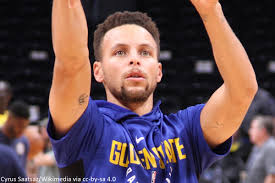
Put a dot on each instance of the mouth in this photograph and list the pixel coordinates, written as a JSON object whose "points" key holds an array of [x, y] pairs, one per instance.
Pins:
{"points": [[135, 75]]}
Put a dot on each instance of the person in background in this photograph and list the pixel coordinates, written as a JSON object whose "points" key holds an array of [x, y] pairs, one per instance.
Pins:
{"points": [[231, 166], [260, 167], [36, 146], [12, 131], [10, 168], [262, 104], [45, 160], [5, 97]]}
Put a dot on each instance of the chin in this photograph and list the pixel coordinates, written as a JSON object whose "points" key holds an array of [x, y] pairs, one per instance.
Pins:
{"points": [[135, 95]]}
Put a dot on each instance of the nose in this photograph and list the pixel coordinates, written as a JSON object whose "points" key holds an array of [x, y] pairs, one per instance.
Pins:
{"points": [[134, 58], [134, 62]]}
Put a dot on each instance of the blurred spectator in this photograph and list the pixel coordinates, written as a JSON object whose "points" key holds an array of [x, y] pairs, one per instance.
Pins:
{"points": [[10, 168], [5, 96], [45, 161], [12, 130], [260, 166], [263, 104], [36, 146], [35, 139]]}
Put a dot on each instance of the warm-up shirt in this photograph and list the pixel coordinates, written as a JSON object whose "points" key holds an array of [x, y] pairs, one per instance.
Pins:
{"points": [[11, 169], [20, 145], [112, 144]]}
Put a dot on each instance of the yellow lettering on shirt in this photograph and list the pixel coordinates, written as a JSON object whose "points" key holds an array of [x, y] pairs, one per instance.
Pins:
{"points": [[169, 150], [133, 154], [122, 156], [149, 159], [179, 148], [114, 155], [162, 166]]}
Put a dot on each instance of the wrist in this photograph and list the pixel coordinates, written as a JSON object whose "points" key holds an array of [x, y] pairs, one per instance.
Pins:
{"points": [[212, 13]]}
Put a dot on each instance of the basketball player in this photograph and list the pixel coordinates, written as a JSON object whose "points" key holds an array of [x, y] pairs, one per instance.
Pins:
{"points": [[127, 138], [11, 133]]}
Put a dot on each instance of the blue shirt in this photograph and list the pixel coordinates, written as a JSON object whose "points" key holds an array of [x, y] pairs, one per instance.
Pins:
{"points": [[19, 145], [112, 144], [10, 169]]}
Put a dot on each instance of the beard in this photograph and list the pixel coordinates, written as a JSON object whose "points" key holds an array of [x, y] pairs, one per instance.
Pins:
{"points": [[133, 96]]}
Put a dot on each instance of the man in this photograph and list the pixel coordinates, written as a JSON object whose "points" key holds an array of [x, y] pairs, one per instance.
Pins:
{"points": [[10, 167], [126, 138], [261, 161], [263, 103], [11, 132], [5, 96]]}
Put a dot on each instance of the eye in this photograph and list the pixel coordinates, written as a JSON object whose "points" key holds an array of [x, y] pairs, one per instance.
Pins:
{"points": [[145, 53], [120, 53]]}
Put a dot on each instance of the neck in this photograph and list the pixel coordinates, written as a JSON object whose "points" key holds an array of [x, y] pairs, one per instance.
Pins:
{"points": [[140, 108], [5, 131]]}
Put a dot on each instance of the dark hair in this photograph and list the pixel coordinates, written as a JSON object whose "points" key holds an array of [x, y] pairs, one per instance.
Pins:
{"points": [[122, 18], [265, 122], [19, 109]]}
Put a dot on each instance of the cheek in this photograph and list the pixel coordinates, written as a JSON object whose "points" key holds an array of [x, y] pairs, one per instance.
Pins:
{"points": [[154, 72], [112, 74]]}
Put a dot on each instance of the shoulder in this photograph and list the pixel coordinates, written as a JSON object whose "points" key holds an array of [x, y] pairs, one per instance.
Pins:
{"points": [[186, 115], [271, 143], [269, 147], [189, 112], [7, 152], [23, 139]]}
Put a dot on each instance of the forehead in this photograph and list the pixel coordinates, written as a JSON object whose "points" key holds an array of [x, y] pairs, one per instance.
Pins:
{"points": [[129, 34], [3, 88], [255, 123]]}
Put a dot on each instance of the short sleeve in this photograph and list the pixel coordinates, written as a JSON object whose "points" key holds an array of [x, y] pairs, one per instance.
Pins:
{"points": [[270, 161], [203, 155], [82, 138]]}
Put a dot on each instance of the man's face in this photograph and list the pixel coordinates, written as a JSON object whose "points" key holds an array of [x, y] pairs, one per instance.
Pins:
{"points": [[130, 69], [4, 99], [255, 132], [16, 126]]}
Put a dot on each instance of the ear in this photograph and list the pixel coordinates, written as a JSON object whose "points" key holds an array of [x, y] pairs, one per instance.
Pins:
{"points": [[98, 72], [159, 76]]}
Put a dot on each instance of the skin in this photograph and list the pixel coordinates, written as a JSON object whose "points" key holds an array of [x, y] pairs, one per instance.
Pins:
{"points": [[134, 53], [35, 139], [5, 97], [15, 126], [257, 134], [222, 114], [270, 179]]}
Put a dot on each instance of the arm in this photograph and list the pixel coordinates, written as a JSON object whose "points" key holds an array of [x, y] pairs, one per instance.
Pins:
{"points": [[70, 88], [269, 179], [226, 108]]}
